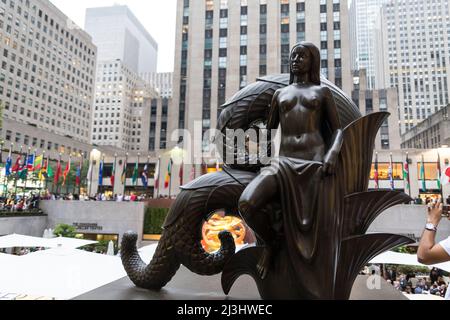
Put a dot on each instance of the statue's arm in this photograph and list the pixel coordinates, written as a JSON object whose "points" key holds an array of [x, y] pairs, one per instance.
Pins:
{"points": [[338, 138], [274, 115]]}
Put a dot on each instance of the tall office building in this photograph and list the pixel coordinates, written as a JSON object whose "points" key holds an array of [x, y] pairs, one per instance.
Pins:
{"points": [[128, 111], [382, 100], [221, 46], [118, 34], [122, 106], [416, 36], [161, 81], [364, 18], [47, 78]]}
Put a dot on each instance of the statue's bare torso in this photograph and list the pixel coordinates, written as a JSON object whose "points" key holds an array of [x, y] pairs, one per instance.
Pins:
{"points": [[300, 115]]}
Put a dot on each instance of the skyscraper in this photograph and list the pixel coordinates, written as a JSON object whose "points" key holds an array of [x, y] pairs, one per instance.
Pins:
{"points": [[47, 78], [127, 110], [364, 18], [118, 34], [221, 46], [416, 38]]}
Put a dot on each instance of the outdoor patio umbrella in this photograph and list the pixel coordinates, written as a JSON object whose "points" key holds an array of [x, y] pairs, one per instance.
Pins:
{"points": [[405, 259]]}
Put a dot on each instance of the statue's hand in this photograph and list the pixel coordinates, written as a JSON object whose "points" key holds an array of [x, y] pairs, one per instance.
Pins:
{"points": [[329, 165]]}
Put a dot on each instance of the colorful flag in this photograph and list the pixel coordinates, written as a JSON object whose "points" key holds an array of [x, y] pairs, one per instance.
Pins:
{"points": [[422, 175], [156, 177], [30, 162], [144, 176], [78, 176], [438, 178], [391, 174], [23, 171], [43, 173], [135, 173], [49, 170], [123, 177], [445, 178], [17, 165], [38, 163], [100, 173], [376, 177], [113, 173], [406, 174], [8, 164], [192, 176], [169, 174], [66, 172], [181, 173], [58, 172]]}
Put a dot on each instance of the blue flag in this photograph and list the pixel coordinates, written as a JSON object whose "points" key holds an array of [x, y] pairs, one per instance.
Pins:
{"points": [[30, 162], [8, 166], [144, 177], [100, 174]]}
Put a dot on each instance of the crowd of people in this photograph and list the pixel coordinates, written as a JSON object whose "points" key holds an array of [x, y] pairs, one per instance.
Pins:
{"points": [[428, 200], [20, 203], [434, 283]]}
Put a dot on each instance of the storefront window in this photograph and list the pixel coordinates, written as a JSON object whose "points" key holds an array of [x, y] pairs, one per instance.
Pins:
{"points": [[431, 172], [383, 171]]}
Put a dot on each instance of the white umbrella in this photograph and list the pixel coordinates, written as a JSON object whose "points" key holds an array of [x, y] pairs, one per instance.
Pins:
{"points": [[71, 243], [405, 259], [21, 241], [62, 273], [110, 251]]}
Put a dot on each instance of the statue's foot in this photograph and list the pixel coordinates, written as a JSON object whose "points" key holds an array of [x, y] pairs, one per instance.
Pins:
{"points": [[263, 265]]}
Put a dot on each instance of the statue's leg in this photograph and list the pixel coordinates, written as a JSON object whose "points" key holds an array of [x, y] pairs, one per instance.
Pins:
{"points": [[256, 196]]}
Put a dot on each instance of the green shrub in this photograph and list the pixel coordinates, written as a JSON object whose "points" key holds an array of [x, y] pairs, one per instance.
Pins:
{"points": [[154, 220], [65, 230]]}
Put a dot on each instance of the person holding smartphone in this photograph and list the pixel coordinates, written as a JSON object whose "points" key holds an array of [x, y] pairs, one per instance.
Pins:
{"points": [[430, 252]]}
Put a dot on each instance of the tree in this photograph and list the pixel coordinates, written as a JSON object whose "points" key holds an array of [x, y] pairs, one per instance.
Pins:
{"points": [[65, 230]]}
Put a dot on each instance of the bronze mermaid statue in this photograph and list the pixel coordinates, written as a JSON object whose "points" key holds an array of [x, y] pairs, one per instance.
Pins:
{"points": [[310, 208]]}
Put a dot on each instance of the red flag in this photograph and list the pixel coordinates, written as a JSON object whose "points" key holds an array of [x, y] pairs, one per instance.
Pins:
{"points": [[17, 165], [66, 172], [58, 173], [181, 173]]}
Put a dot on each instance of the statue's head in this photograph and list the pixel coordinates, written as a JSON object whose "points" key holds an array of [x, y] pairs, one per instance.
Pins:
{"points": [[305, 58]]}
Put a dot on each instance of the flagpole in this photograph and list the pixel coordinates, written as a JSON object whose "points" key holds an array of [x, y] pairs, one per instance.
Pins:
{"points": [[409, 177], [113, 173], [58, 171], [124, 172], [170, 178], [137, 170], [159, 177], [146, 172], [67, 174], [81, 170], [439, 178], [25, 166], [391, 178], [91, 166], [5, 178], [17, 173]]}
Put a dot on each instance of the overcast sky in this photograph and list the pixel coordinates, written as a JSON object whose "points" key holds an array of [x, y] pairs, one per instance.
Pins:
{"points": [[157, 16]]}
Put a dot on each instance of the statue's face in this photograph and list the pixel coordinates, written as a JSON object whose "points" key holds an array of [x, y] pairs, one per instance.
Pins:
{"points": [[301, 60]]}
